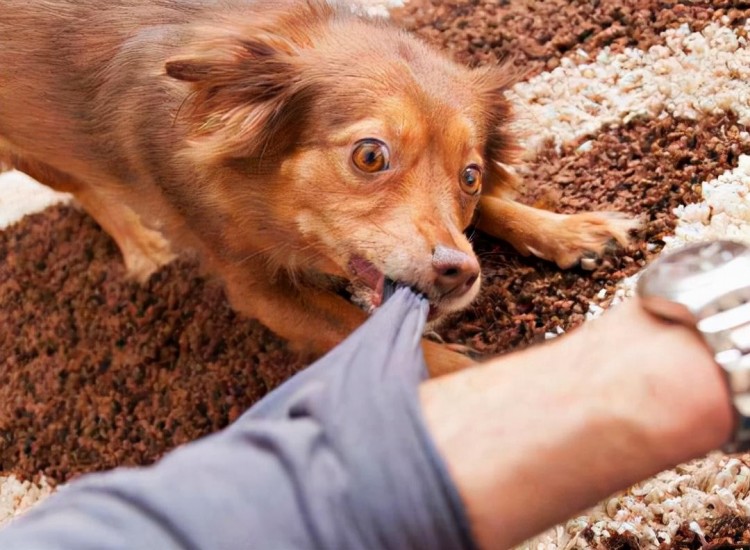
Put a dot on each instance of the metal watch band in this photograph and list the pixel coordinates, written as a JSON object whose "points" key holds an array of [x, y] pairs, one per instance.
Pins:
{"points": [[728, 335]]}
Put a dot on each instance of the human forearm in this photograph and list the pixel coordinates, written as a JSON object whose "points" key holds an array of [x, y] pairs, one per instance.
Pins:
{"points": [[534, 437]]}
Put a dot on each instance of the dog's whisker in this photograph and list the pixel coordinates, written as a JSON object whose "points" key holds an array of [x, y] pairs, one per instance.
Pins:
{"points": [[254, 255], [185, 100]]}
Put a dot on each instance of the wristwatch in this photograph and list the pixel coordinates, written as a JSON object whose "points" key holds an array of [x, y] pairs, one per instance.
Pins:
{"points": [[707, 286]]}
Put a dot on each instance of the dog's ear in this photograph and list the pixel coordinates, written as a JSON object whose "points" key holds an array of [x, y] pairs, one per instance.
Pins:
{"points": [[248, 98], [502, 147]]}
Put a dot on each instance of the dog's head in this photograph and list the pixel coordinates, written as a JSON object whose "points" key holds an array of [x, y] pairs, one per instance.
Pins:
{"points": [[356, 150]]}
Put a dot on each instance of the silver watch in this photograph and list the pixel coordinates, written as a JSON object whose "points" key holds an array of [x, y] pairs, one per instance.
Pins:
{"points": [[707, 286]]}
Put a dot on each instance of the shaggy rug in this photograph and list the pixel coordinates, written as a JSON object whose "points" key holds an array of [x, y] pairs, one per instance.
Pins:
{"points": [[640, 106]]}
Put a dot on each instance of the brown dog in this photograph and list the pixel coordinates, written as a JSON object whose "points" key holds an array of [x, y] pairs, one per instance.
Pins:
{"points": [[299, 150]]}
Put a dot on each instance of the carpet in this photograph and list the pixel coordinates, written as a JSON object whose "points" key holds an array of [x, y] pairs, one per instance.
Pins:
{"points": [[640, 106]]}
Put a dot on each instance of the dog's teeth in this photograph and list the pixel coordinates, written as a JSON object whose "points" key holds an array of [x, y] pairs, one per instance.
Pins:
{"points": [[389, 288]]}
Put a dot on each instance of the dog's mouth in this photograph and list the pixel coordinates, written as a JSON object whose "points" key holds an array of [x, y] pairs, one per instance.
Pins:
{"points": [[369, 285], [370, 276]]}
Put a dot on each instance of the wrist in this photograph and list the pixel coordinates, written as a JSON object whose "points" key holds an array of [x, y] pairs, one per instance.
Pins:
{"points": [[679, 394]]}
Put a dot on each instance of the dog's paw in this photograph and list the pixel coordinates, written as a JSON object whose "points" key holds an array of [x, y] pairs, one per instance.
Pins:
{"points": [[144, 251], [586, 234], [442, 360]]}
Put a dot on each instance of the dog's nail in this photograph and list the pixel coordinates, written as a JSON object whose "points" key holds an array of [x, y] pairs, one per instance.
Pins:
{"points": [[589, 263]]}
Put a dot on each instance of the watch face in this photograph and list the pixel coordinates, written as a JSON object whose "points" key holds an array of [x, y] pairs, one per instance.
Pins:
{"points": [[681, 283]]}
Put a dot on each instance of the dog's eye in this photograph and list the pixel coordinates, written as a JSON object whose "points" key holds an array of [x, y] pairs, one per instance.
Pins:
{"points": [[371, 155], [471, 179]]}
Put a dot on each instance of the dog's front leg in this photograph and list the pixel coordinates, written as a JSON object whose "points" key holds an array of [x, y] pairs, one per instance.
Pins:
{"points": [[441, 360], [143, 249], [315, 320], [560, 238]]}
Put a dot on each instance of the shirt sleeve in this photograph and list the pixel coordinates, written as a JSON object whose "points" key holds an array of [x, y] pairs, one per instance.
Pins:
{"points": [[338, 457]]}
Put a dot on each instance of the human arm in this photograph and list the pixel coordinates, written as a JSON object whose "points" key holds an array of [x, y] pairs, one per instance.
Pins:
{"points": [[534, 437], [343, 456]]}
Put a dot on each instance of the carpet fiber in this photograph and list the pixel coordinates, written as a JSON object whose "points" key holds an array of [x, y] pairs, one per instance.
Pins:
{"points": [[639, 106]]}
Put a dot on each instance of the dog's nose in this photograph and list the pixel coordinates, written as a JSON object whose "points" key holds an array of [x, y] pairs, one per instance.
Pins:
{"points": [[455, 271]]}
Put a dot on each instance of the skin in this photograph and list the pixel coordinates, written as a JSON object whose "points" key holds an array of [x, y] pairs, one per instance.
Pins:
{"points": [[575, 420]]}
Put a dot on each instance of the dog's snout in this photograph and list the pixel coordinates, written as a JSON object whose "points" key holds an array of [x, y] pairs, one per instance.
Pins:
{"points": [[455, 271]]}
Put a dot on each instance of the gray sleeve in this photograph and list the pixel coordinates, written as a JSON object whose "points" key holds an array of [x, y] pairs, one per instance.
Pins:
{"points": [[336, 458]]}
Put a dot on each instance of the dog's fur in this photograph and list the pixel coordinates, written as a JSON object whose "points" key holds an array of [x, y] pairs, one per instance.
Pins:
{"points": [[226, 127]]}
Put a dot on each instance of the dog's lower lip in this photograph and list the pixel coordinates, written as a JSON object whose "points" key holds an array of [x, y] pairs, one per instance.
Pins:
{"points": [[433, 313]]}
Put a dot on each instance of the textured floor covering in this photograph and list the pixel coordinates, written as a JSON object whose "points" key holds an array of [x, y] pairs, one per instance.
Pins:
{"points": [[96, 371]]}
